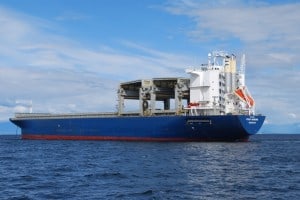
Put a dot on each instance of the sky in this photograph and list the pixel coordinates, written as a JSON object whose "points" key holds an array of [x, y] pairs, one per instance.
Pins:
{"points": [[70, 55]]}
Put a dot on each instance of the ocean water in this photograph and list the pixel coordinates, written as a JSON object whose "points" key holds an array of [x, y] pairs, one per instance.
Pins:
{"points": [[267, 167]]}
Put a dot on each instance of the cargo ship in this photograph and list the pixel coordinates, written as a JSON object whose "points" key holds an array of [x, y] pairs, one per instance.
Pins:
{"points": [[212, 104]]}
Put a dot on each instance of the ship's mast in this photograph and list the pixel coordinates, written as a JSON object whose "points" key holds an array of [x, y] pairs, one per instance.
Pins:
{"points": [[242, 70]]}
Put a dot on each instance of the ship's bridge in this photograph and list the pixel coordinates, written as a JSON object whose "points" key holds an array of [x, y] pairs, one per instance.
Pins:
{"points": [[149, 91]]}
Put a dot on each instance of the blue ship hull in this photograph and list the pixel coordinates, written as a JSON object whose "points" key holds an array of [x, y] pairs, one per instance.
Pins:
{"points": [[142, 128]]}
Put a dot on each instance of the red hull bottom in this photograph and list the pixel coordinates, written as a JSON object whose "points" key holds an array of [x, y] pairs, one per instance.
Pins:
{"points": [[109, 138]]}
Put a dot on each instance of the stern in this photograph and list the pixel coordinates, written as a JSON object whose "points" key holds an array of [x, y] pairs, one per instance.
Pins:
{"points": [[252, 123]]}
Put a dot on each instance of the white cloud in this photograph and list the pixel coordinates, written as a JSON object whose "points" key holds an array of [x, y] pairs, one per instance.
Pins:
{"points": [[282, 57], [21, 109], [4, 112], [269, 35], [262, 27], [60, 75], [292, 115]]}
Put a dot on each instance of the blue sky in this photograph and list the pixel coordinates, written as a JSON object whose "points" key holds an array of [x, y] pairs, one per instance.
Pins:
{"points": [[69, 56]]}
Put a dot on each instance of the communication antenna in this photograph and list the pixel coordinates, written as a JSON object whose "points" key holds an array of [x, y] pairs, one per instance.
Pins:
{"points": [[242, 70], [243, 64], [209, 59]]}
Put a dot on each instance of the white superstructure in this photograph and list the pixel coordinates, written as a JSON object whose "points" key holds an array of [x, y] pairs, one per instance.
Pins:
{"points": [[219, 88]]}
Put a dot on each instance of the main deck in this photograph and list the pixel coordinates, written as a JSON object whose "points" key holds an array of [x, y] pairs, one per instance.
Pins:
{"points": [[86, 115]]}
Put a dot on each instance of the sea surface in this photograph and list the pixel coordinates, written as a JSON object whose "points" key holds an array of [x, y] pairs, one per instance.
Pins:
{"points": [[266, 167]]}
